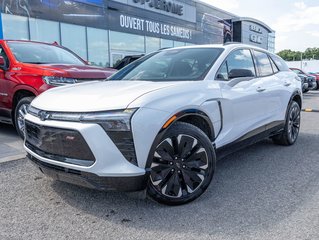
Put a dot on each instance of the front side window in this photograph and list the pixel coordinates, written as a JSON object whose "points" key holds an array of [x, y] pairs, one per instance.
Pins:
{"points": [[38, 53], [188, 64], [263, 64], [4, 55], [239, 63]]}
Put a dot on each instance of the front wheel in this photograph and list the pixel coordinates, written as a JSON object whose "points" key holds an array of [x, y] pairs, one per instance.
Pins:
{"points": [[183, 165], [291, 131], [19, 114]]}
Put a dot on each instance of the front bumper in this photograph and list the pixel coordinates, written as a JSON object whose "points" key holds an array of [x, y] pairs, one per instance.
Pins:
{"points": [[90, 180], [110, 169]]}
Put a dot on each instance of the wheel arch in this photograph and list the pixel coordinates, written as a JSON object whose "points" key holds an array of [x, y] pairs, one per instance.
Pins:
{"points": [[192, 116], [19, 94], [297, 97], [198, 119]]}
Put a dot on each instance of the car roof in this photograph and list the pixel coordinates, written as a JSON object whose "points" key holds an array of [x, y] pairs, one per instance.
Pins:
{"points": [[27, 41], [227, 46]]}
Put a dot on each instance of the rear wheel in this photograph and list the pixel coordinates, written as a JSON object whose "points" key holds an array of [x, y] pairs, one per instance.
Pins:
{"points": [[183, 165], [19, 114], [292, 126]]}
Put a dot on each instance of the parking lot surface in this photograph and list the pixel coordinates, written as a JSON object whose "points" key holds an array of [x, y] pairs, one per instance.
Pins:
{"points": [[10, 144], [262, 192]]}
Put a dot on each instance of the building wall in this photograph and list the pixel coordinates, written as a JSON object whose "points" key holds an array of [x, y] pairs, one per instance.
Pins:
{"points": [[104, 31], [306, 65]]}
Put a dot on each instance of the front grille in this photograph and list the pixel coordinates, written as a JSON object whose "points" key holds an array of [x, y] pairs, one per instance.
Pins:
{"points": [[61, 145]]}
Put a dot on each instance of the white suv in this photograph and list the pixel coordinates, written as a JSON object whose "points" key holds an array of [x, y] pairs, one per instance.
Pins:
{"points": [[159, 123]]}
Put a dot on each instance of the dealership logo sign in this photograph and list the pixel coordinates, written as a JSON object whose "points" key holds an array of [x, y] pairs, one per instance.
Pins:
{"points": [[255, 28], [163, 5], [256, 39]]}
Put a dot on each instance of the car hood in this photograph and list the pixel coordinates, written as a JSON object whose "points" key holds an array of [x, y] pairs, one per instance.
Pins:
{"points": [[96, 96], [74, 71]]}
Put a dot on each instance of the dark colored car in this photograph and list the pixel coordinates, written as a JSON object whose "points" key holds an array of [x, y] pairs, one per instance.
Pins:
{"points": [[312, 84], [29, 68], [126, 61], [316, 75], [304, 82]]}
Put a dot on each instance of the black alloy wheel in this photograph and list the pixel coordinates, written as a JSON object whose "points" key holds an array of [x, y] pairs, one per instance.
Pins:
{"points": [[182, 166], [294, 122], [292, 126]]}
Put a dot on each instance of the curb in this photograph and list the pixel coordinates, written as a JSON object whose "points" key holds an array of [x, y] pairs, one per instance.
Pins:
{"points": [[13, 158]]}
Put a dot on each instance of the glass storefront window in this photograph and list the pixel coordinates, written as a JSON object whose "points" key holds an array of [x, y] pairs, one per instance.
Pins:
{"points": [[98, 49], [178, 44], [15, 27], [126, 42], [74, 38], [152, 44], [165, 43], [44, 31]]}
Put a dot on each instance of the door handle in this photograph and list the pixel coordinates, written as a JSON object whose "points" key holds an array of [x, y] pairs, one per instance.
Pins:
{"points": [[287, 84], [260, 89]]}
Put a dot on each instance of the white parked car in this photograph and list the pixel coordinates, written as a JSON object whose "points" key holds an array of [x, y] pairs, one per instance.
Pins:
{"points": [[161, 122]]}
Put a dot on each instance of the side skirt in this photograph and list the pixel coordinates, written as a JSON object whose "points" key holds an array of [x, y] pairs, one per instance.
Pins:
{"points": [[250, 138]]}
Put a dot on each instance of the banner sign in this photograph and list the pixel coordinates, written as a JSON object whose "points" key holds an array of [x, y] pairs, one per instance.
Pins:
{"points": [[154, 27]]}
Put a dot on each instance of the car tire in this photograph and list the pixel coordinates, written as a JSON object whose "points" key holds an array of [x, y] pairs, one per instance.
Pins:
{"points": [[183, 164], [292, 125], [19, 114]]}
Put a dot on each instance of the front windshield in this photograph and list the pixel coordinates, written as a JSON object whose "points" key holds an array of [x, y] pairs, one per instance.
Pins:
{"points": [[38, 53], [183, 64]]}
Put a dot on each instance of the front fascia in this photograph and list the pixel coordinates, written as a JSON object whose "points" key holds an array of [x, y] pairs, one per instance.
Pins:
{"points": [[109, 160]]}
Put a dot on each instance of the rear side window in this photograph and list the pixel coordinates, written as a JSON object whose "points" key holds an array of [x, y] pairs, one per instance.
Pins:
{"points": [[237, 63], [273, 65], [280, 63], [263, 64]]}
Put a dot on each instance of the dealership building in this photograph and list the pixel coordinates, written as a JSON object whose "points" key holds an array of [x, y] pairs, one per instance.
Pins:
{"points": [[104, 31]]}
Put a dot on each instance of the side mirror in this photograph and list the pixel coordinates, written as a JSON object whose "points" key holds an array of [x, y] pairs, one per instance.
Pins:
{"points": [[240, 73]]}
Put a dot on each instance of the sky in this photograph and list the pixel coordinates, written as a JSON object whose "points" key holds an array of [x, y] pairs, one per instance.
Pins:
{"points": [[296, 22]]}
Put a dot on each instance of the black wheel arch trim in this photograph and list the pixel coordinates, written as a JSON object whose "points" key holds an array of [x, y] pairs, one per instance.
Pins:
{"points": [[198, 113], [296, 93]]}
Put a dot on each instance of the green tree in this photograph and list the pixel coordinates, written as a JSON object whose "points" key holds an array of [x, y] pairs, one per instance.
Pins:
{"points": [[289, 55]]}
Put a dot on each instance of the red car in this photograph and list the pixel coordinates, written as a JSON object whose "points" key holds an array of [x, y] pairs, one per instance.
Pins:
{"points": [[29, 68]]}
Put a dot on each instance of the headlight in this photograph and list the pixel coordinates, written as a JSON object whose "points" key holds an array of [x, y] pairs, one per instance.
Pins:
{"points": [[58, 81], [111, 120], [117, 120]]}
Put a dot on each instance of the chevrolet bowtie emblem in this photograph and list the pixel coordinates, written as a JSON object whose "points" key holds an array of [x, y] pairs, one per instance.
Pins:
{"points": [[43, 115]]}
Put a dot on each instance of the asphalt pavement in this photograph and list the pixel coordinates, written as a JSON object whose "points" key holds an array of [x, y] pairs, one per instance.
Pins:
{"points": [[11, 146], [262, 192]]}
